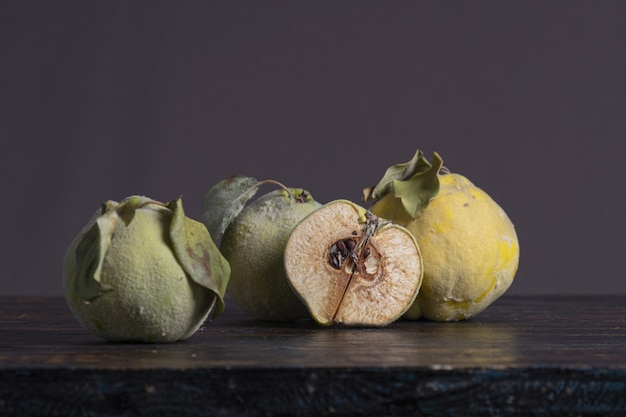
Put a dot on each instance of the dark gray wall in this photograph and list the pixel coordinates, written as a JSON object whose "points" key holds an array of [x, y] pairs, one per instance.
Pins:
{"points": [[100, 100]]}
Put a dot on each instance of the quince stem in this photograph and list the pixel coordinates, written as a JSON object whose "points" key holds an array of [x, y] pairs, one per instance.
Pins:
{"points": [[281, 185]]}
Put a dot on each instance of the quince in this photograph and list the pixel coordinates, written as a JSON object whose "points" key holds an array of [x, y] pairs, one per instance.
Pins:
{"points": [[468, 243], [252, 237], [140, 270], [350, 267]]}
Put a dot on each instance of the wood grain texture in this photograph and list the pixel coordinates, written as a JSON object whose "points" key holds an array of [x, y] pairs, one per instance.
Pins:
{"points": [[527, 356]]}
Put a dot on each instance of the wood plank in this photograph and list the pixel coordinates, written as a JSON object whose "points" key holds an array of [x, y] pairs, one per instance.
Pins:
{"points": [[513, 332], [546, 355]]}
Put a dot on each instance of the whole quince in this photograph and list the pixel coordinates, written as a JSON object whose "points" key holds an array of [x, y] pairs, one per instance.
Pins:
{"points": [[141, 270], [252, 237], [469, 246]]}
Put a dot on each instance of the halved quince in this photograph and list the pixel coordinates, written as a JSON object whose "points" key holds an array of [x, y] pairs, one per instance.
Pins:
{"points": [[350, 267]]}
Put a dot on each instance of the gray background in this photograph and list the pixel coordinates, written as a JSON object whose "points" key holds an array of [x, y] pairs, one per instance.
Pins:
{"points": [[100, 100]]}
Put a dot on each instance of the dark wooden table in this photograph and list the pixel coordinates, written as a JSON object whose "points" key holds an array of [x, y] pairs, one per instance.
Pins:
{"points": [[523, 356]]}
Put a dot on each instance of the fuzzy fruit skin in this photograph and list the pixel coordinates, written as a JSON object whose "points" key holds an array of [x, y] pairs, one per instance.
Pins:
{"points": [[470, 251], [146, 295], [254, 245]]}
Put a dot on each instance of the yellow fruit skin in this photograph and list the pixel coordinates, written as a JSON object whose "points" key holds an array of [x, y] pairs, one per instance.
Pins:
{"points": [[469, 247]]}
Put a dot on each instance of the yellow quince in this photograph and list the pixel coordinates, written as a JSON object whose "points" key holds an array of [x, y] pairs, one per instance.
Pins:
{"points": [[469, 246]]}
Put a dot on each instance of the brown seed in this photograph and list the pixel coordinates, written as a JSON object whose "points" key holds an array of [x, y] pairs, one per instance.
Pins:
{"points": [[336, 256], [342, 248]]}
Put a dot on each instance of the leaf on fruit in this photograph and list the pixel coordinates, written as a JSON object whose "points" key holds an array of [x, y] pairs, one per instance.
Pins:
{"points": [[413, 184], [224, 201], [198, 255], [89, 254]]}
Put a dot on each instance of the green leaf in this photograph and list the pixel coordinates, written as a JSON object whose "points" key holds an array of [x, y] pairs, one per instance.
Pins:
{"points": [[397, 172], [91, 248], [224, 201], [416, 192], [198, 255], [127, 207], [408, 187]]}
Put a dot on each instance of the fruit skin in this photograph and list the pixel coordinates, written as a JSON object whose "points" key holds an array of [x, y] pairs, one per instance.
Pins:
{"points": [[371, 298], [254, 244], [140, 270], [469, 247]]}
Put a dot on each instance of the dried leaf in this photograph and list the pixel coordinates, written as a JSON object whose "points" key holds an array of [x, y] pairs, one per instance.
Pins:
{"points": [[198, 255], [412, 185], [224, 201], [394, 173]]}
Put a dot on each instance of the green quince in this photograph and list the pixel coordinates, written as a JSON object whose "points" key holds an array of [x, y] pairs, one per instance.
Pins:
{"points": [[252, 237], [140, 270]]}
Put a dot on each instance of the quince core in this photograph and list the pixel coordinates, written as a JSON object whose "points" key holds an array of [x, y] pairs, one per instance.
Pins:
{"points": [[351, 267]]}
